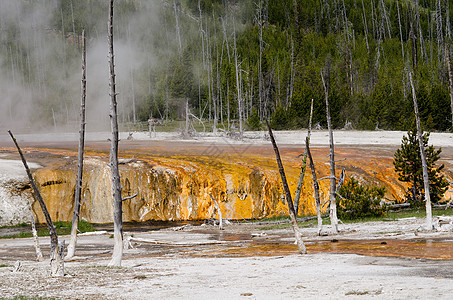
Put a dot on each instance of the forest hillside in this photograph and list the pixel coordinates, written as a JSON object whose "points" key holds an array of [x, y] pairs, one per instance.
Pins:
{"points": [[236, 63]]}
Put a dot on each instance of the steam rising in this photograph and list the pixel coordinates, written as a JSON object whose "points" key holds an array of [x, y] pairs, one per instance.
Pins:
{"points": [[40, 62]]}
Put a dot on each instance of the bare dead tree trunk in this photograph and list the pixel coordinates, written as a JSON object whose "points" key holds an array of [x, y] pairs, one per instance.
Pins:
{"points": [[186, 130], [292, 214], [35, 235], [429, 216], [420, 34], [238, 85], [385, 17], [78, 191], [178, 34], [73, 25], [116, 184], [201, 33], [401, 33], [439, 30], [450, 81], [260, 71], [304, 165], [333, 198], [134, 114], [414, 46], [365, 25], [315, 186], [292, 74], [56, 255]]}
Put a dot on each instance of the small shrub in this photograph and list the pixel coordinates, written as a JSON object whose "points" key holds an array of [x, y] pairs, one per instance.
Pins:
{"points": [[84, 226], [358, 201]]}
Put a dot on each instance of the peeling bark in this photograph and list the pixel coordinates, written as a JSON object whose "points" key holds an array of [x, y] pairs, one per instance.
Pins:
{"points": [[78, 191], [116, 184]]}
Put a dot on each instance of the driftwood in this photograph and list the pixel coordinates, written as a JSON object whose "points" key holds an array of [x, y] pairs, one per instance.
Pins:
{"points": [[292, 213], [304, 219], [78, 191], [56, 257], [116, 184], [218, 211], [129, 197], [429, 216], [179, 244], [126, 161], [398, 206]]}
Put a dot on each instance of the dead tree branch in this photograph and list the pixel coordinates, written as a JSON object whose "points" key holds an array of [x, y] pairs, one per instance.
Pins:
{"points": [[78, 191], [292, 214], [315, 186], [130, 197], [56, 261]]}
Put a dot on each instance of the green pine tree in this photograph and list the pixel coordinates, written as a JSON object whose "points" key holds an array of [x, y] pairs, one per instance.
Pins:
{"points": [[408, 165]]}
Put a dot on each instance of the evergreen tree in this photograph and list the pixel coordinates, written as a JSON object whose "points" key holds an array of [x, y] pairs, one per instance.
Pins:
{"points": [[408, 165], [359, 201]]}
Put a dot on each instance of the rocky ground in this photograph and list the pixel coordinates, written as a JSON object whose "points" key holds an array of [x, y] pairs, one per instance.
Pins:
{"points": [[379, 260]]}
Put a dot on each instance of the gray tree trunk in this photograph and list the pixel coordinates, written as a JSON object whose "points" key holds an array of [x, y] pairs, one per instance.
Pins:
{"points": [[260, 75], [292, 214], [365, 25], [78, 191], [238, 85], [35, 236], [56, 255], [429, 216], [304, 165], [401, 33], [315, 187], [116, 184], [178, 34], [450, 81], [333, 197], [186, 130]]}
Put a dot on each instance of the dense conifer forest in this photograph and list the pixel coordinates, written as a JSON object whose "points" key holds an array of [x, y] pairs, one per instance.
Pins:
{"points": [[234, 62]]}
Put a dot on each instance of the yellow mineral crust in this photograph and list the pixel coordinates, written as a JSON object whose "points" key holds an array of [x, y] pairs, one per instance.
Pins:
{"points": [[175, 182]]}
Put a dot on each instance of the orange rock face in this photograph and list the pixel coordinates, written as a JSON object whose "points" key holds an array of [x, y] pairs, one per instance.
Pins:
{"points": [[173, 180]]}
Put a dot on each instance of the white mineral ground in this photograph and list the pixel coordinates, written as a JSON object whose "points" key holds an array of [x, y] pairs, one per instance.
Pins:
{"points": [[200, 262]]}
